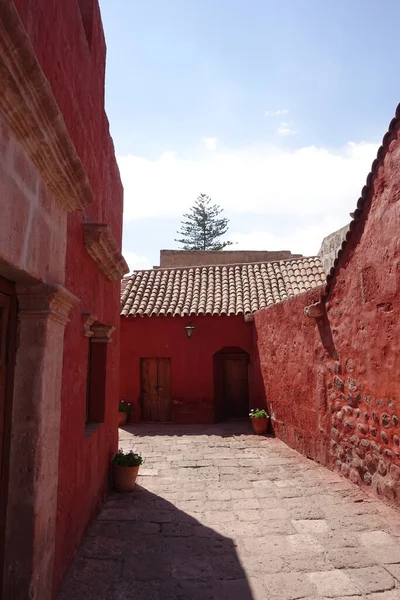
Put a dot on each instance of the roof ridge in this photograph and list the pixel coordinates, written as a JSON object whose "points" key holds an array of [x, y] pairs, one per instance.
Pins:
{"points": [[362, 203], [257, 262]]}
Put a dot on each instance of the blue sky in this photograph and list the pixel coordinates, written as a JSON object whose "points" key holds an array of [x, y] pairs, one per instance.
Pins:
{"points": [[273, 109]]}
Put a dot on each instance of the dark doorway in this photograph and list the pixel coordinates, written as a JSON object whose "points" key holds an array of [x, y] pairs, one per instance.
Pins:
{"points": [[231, 383], [8, 315], [155, 376]]}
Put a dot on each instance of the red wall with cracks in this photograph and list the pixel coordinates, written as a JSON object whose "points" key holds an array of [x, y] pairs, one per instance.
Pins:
{"points": [[192, 369], [68, 40], [333, 384]]}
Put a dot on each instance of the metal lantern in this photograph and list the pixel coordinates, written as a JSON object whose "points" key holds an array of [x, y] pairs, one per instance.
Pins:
{"points": [[189, 329]]}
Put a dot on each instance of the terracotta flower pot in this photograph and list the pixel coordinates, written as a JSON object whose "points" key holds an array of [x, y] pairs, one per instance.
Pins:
{"points": [[260, 426], [123, 417], [124, 477]]}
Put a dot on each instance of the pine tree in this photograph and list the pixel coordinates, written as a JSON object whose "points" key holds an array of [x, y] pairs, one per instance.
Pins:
{"points": [[202, 228]]}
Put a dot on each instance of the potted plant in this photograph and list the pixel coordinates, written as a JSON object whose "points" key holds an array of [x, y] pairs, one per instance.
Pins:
{"points": [[125, 470], [124, 410], [259, 418]]}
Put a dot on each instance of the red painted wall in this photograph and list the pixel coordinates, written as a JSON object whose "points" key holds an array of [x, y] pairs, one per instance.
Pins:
{"points": [[73, 59], [192, 367], [76, 70], [290, 350], [333, 384]]}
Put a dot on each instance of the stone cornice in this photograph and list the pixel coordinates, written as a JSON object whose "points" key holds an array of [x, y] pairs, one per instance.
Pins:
{"points": [[42, 300], [103, 248], [28, 107], [98, 332], [102, 333]]}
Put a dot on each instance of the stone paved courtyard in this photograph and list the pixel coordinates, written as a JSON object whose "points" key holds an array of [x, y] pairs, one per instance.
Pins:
{"points": [[221, 514]]}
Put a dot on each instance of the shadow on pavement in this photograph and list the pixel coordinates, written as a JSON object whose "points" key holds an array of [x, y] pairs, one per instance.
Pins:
{"points": [[142, 547], [235, 427]]}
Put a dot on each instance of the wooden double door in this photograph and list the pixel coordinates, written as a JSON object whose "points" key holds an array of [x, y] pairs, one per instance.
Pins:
{"points": [[231, 385], [155, 376]]}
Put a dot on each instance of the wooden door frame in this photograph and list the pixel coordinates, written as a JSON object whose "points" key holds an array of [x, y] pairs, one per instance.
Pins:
{"points": [[7, 289], [218, 360]]}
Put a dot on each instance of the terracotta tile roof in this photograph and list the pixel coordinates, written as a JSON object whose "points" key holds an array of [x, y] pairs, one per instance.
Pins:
{"points": [[364, 202], [217, 290], [124, 283]]}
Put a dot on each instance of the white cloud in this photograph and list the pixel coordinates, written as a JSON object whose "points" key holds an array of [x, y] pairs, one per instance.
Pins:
{"points": [[276, 113], [135, 261], [265, 180], [308, 184], [210, 143], [286, 129], [304, 239]]}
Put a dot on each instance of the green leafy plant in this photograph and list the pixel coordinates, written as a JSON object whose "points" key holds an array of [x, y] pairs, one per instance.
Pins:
{"points": [[130, 459], [125, 407], [258, 413]]}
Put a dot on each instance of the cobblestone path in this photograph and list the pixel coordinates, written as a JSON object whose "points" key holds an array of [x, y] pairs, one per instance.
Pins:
{"points": [[221, 514]]}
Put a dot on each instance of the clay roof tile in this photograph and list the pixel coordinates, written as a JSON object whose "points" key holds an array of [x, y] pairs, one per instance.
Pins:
{"points": [[217, 290]]}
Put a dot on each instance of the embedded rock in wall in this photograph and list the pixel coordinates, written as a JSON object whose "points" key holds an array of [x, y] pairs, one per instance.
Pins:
{"points": [[365, 442]]}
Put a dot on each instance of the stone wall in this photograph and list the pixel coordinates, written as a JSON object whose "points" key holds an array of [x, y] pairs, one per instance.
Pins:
{"points": [[291, 356], [332, 382], [58, 179], [69, 44], [330, 246], [190, 258], [33, 227]]}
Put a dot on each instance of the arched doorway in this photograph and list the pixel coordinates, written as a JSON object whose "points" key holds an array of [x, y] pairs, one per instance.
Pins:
{"points": [[231, 383]]}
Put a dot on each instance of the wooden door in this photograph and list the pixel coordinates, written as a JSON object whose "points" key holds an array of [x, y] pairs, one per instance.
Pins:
{"points": [[149, 389], [164, 388], [235, 385], [156, 389], [8, 318], [5, 303]]}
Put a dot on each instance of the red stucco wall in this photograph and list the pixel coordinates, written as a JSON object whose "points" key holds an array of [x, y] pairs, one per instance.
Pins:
{"points": [[333, 384], [192, 367], [76, 71], [289, 350], [74, 63]]}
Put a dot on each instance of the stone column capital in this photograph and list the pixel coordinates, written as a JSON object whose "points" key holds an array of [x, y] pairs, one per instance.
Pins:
{"points": [[41, 299], [88, 320], [102, 333]]}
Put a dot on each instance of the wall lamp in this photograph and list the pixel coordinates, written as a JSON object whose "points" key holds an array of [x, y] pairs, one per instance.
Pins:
{"points": [[189, 330]]}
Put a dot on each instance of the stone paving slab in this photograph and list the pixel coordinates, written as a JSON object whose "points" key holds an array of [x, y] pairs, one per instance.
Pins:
{"points": [[222, 514]]}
